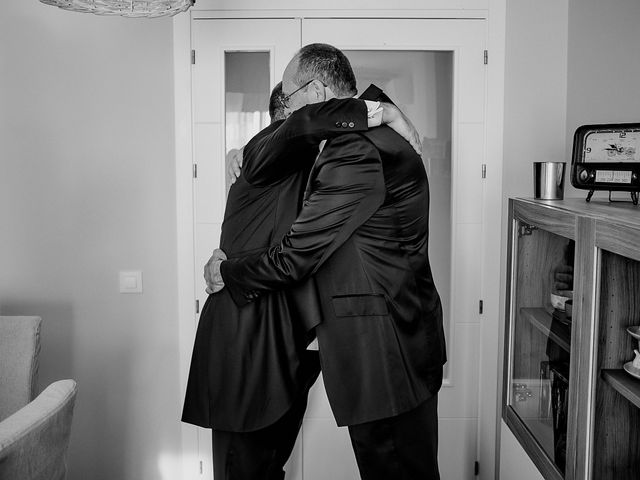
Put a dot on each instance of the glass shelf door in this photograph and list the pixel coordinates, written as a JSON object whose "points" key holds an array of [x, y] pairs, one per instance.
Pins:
{"points": [[540, 337]]}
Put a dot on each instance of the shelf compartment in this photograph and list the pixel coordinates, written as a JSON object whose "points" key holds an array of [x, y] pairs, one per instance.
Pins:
{"points": [[543, 321], [616, 443], [624, 384]]}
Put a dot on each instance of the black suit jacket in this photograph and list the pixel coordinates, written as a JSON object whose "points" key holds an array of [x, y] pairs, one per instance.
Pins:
{"points": [[363, 230], [249, 364]]}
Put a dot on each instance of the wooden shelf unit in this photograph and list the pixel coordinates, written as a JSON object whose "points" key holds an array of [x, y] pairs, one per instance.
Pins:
{"points": [[603, 424]]}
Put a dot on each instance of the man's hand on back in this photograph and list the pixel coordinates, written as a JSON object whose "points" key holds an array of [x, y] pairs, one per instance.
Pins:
{"points": [[392, 116], [212, 272], [234, 165]]}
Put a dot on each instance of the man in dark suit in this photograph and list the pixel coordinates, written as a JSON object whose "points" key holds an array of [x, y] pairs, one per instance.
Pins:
{"points": [[250, 371], [363, 232]]}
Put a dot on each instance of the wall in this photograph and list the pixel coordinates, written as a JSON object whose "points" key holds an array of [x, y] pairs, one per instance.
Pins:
{"points": [[535, 90], [87, 188], [603, 66], [604, 63]]}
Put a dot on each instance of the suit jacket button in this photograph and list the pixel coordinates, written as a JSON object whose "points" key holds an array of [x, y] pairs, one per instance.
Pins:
{"points": [[344, 124], [338, 124], [351, 124]]}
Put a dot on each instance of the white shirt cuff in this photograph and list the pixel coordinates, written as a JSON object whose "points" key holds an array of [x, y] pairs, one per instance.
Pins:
{"points": [[374, 113]]}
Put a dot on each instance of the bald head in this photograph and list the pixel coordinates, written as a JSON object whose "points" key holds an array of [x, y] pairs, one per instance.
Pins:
{"points": [[327, 64]]}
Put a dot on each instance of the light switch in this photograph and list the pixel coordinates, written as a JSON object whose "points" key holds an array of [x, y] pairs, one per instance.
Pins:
{"points": [[131, 281]]}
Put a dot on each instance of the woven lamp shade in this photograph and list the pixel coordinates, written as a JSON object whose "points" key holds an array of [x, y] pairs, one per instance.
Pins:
{"points": [[124, 8]]}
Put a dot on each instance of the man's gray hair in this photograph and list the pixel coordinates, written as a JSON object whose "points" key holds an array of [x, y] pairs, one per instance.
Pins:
{"points": [[329, 65]]}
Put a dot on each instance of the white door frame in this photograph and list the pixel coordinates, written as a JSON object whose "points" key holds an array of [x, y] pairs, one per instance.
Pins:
{"points": [[492, 254]]}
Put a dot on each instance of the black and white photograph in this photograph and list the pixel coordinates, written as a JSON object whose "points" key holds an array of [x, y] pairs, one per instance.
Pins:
{"points": [[245, 240]]}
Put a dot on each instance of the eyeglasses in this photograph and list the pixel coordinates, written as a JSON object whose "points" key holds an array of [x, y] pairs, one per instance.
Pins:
{"points": [[287, 98]]}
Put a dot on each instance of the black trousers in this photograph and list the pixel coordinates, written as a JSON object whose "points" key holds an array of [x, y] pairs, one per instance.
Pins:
{"points": [[404, 447], [261, 454]]}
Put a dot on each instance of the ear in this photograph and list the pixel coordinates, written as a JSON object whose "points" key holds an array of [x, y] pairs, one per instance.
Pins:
{"points": [[318, 91]]}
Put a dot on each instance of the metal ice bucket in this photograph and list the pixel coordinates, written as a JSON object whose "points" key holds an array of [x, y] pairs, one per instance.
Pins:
{"points": [[548, 180]]}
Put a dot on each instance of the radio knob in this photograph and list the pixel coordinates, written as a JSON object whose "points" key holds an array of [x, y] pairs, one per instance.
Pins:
{"points": [[584, 175]]}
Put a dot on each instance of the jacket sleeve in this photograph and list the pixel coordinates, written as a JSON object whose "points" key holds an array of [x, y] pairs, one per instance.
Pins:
{"points": [[272, 157], [347, 188]]}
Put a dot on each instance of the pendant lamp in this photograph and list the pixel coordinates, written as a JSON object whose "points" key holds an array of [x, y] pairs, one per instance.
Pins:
{"points": [[124, 8]]}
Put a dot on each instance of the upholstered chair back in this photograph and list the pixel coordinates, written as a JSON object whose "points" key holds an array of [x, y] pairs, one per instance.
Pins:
{"points": [[19, 351]]}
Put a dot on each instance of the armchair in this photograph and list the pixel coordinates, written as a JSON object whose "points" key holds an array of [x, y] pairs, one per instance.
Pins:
{"points": [[34, 440]]}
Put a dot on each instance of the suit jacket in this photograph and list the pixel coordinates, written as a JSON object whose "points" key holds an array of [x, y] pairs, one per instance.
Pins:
{"points": [[249, 364], [363, 231]]}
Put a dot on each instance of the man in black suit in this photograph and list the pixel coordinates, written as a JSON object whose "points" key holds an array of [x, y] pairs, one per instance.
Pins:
{"points": [[250, 370], [363, 232]]}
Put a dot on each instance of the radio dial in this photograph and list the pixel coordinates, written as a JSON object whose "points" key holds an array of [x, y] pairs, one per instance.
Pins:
{"points": [[584, 175]]}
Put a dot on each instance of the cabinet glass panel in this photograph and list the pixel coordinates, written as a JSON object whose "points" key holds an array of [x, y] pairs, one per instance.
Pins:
{"points": [[541, 319], [247, 90], [616, 443]]}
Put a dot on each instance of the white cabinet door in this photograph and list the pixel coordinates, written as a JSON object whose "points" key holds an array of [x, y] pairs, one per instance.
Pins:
{"points": [[434, 70], [237, 63]]}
